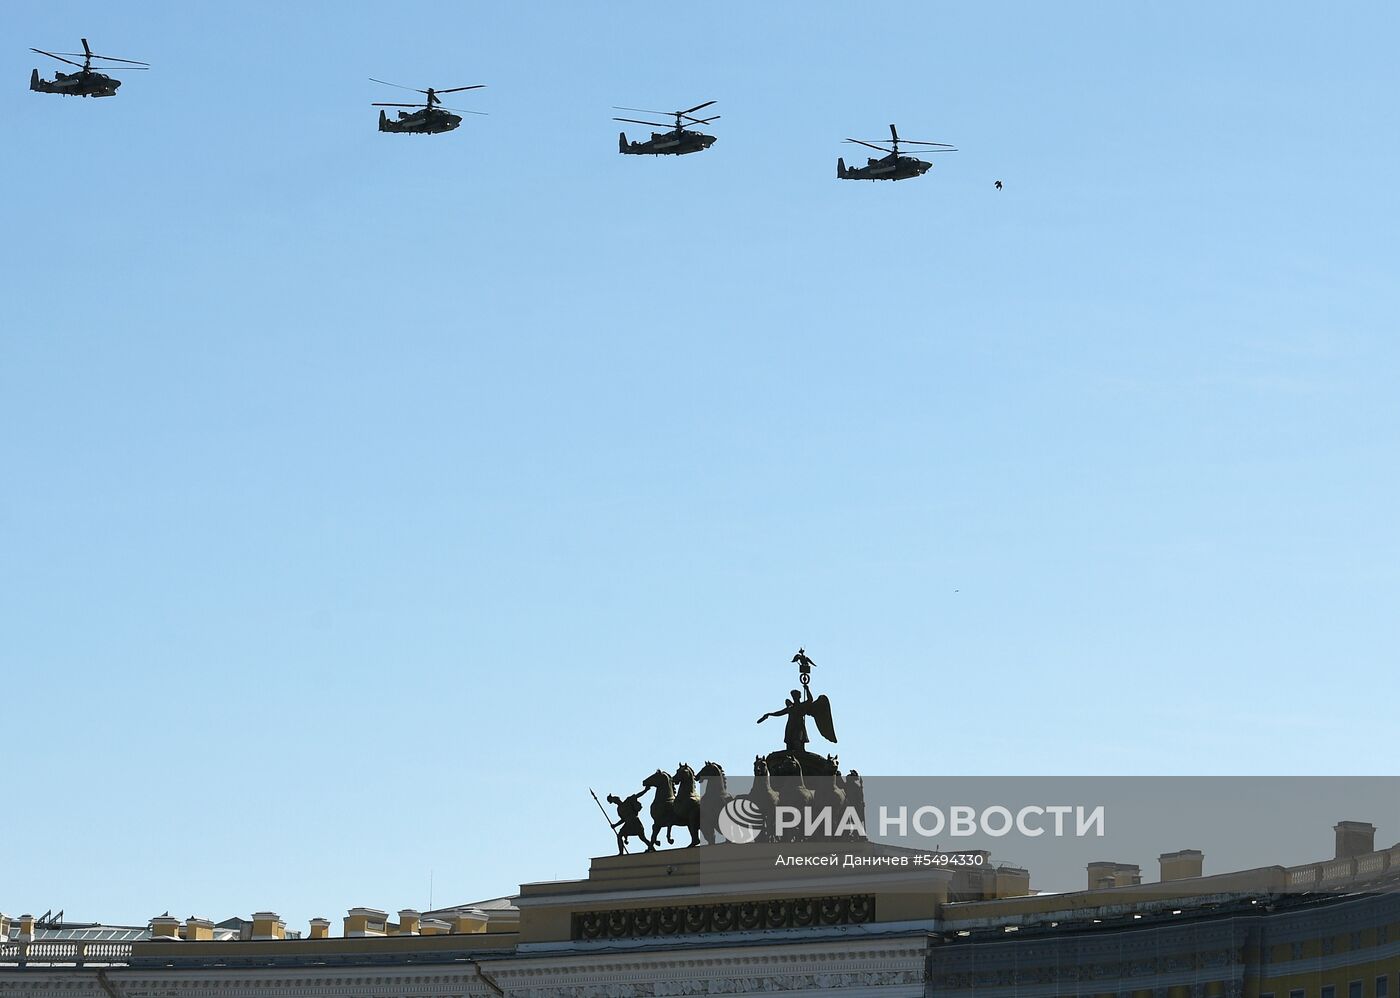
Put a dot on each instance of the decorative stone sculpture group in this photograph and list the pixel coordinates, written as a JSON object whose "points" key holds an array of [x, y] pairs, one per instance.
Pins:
{"points": [[792, 777]]}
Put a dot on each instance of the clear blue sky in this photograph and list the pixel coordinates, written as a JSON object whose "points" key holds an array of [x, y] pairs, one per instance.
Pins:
{"points": [[369, 497]]}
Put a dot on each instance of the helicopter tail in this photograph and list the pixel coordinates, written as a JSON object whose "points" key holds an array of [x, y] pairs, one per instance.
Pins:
{"points": [[841, 168], [34, 80], [621, 141], [383, 120]]}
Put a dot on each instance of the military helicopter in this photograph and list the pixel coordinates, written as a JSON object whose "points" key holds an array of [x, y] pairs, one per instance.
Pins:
{"points": [[676, 142], [430, 118], [88, 82], [892, 166]]}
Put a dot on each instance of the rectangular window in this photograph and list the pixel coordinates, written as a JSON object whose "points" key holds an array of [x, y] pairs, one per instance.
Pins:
{"points": [[1299, 993], [1355, 989], [1382, 987], [1329, 992]]}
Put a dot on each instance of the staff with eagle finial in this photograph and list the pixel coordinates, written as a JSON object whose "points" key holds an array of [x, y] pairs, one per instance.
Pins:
{"points": [[804, 666], [801, 706]]}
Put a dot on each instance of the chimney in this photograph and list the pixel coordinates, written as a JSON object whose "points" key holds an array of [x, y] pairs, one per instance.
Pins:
{"points": [[361, 922], [26, 928], [1354, 838], [198, 929], [469, 921], [1181, 865], [266, 925], [165, 927], [1104, 874], [1010, 882], [408, 922], [434, 927], [320, 928]]}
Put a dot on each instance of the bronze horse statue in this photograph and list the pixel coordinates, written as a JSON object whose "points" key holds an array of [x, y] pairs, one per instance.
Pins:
{"points": [[792, 790], [765, 798], [853, 788], [669, 809], [815, 787], [829, 792], [712, 802]]}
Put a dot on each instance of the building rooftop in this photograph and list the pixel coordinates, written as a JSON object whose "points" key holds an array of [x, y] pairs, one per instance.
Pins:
{"points": [[92, 932]]}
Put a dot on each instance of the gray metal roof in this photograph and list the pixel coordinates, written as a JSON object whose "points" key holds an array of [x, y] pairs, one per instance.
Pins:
{"points": [[493, 904], [94, 933]]}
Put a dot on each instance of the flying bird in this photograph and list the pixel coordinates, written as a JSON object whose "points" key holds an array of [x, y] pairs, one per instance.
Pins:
{"points": [[998, 185]]}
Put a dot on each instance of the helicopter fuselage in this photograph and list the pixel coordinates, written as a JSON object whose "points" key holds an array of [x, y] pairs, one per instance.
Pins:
{"points": [[884, 168], [428, 121], [672, 143], [84, 83]]}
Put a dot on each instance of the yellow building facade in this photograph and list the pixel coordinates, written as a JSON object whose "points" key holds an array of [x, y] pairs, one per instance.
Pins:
{"points": [[763, 919]]}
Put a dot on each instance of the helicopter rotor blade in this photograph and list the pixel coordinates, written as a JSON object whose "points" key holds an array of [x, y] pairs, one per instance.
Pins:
{"points": [[453, 90], [894, 136], [641, 110], [871, 145], [112, 58], [399, 85], [86, 50], [456, 110], [58, 57], [106, 58], [696, 107], [703, 121], [653, 124], [116, 69], [908, 142]]}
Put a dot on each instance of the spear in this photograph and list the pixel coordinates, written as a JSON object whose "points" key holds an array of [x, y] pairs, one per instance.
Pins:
{"points": [[621, 841]]}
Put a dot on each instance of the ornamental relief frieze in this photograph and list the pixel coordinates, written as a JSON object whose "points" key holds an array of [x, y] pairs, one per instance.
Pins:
{"points": [[738, 916], [731, 985]]}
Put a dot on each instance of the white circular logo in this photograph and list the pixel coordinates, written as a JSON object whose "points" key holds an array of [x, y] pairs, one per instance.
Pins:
{"points": [[740, 820]]}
